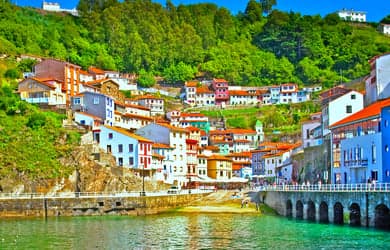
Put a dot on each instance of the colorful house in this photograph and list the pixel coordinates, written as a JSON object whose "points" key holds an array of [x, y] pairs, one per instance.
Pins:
{"points": [[130, 150], [378, 82], [95, 104], [221, 91], [175, 138], [66, 73], [219, 168], [42, 91], [362, 141]]}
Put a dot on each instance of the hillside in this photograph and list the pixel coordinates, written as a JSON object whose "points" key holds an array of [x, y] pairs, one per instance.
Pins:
{"points": [[37, 154], [179, 42]]}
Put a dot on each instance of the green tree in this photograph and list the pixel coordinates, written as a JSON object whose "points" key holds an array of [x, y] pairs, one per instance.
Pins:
{"points": [[146, 79], [179, 73]]}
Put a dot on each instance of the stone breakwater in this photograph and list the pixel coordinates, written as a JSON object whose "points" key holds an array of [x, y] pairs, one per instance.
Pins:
{"points": [[84, 206]]}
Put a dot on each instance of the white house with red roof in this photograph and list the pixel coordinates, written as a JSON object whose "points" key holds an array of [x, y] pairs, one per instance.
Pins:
{"points": [[193, 119], [174, 117], [241, 163], [288, 93], [131, 121], [96, 73], [85, 76], [42, 91], [89, 120], [361, 146], [244, 97], [204, 96], [190, 92], [378, 82], [338, 103], [155, 104], [174, 137]]}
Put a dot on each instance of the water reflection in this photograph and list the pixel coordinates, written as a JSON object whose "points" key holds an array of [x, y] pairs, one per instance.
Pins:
{"points": [[184, 231]]}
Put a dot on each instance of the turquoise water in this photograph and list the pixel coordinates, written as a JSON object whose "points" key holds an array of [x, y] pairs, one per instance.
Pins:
{"points": [[184, 231]]}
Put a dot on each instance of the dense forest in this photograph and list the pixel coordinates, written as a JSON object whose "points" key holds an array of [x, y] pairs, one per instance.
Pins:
{"points": [[259, 46]]}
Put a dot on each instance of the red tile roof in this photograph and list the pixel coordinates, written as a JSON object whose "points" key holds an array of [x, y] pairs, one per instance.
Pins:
{"points": [[242, 93], [203, 90], [160, 145], [219, 80], [96, 70], [192, 115], [128, 133], [192, 129], [173, 128], [191, 84], [371, 111], [219, 158], [142, 97]]}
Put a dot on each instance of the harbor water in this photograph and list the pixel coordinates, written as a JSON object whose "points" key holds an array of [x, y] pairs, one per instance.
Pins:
{"points": [[184, 231]]}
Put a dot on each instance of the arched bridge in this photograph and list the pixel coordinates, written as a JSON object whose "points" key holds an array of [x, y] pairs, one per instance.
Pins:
{"points": [[355, 204]]}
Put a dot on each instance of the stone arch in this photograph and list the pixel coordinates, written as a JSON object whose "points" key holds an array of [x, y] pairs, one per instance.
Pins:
{"points": [[289, 208], [338, 214], [311, 211], [354, 215], [382, 217], [299, 209], [324, 217]]}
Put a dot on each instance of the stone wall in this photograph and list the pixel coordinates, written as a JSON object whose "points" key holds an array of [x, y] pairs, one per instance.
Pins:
{"points": [[42, 207]]}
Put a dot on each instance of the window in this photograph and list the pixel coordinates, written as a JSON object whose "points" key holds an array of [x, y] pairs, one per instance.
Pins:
{"points": [[373, 153], [131, 148], [110, 136], [120, 161], [76, 101], [96, 100], [353, 97], [131, 161], [120, 148], [349, 109]]}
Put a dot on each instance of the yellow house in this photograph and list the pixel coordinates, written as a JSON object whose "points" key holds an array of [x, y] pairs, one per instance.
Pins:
{"points": [[219, 167]]}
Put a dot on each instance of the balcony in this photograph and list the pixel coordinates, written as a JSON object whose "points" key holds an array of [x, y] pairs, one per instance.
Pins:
{"points": [[362, 163]]}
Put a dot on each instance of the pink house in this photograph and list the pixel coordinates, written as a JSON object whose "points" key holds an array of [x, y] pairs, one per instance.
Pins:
{"points": [[221, 88]]}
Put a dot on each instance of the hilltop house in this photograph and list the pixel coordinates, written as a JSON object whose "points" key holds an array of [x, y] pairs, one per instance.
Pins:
{"points": [[352, 15]]}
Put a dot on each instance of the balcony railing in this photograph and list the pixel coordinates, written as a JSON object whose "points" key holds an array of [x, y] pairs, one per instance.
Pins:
{"points": [[356, 163], [355, 187]]}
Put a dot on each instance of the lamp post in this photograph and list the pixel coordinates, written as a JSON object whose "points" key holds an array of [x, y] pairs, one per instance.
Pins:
{"points": [[143, 182], [189, 185]]}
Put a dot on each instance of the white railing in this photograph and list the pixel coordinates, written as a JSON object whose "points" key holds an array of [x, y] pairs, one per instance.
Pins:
{"points": [[72, 195], [357, 187]]}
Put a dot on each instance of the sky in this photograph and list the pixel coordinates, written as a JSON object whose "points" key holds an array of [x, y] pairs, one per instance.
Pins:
{"points": [[375, 9]]}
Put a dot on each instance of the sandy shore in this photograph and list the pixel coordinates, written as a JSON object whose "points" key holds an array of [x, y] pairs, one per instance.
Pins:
{"points": [[222, 202]]}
